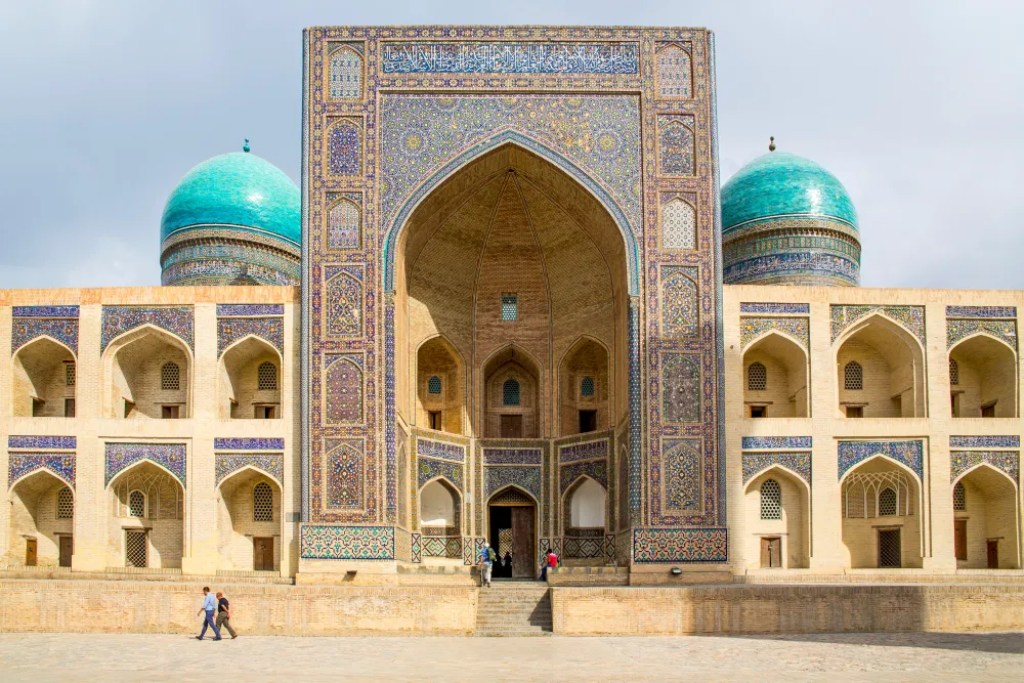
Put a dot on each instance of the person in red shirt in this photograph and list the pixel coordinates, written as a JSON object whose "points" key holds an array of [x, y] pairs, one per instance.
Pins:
{"points": [[550, 562]]}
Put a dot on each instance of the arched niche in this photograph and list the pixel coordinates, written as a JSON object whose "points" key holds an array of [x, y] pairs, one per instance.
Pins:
{"points": [[145, 524], [986, 526], [511, 395], [986, 378], [779, 387], [40, 521], [778, 518], [249, 522], [880, 503], [250, 381], [140, 379], [584, 387], [891, 364], [440, 386], [584, 522], [45, 379], [441, 520]]}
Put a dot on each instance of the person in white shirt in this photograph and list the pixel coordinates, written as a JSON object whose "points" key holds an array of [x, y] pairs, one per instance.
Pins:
{"points": [[210, 607]]}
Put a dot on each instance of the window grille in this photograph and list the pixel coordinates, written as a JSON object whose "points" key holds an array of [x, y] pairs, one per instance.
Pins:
{"points": [[954, 372], [887, 503], [510, 393], [771, 500], [170, 377], [889, 548], [862, 494], [266, 377], [69, 374], [587, 386], [509, 307], [135, 548], [959, 497], [434, 385], [853, 376], [757, 377], [136, 504], [262, 503], [65, 504]]}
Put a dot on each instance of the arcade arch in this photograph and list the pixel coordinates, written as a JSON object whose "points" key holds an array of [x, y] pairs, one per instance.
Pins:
{"points": [[777, 504], [440, 520], [583, 522], [775, 378], [583, 382], [42, 518], [882, 520], [45, 379], [986, 526], [880, 371], [250, 381], [147, 374], [249, 521], [146, 524], [983, 378], [440, 386]]}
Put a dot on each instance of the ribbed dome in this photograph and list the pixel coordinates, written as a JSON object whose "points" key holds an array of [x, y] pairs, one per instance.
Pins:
{"points": [[235, 190]]}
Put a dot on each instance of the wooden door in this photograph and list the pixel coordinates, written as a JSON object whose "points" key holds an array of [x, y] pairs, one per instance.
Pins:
{"points": [[66, 549], [960, 538], [511, 426], [30, 552], [771, 552], [523, 542], [993, 554], [263, 550]]}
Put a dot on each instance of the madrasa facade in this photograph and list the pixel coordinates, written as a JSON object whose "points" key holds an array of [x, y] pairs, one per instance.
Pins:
{"points": [[509, 302]]}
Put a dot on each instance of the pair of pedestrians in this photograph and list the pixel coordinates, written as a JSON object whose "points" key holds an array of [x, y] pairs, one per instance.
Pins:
{"points": [[223, 609]]}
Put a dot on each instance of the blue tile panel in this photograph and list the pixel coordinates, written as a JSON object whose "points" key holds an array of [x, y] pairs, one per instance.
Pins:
{"points": [[775, 308], [271, 464], [910, 317], [120, 456], [243, 310], [25, 330], [230, 330], [757, 443], [981, 311], [248, 444], [583, 451], [595, 469], [1006, 461], [957, 330], [177, 320], [43, 442], [512, 456], [653, 546], [439, 449], [428, 468], [817, 268], [60, 464], [796, 328], [909, 453], [526, 478], [320, 542], [510, 58], [45, 312], [1011, 441], [221, 256], [755, 463]]}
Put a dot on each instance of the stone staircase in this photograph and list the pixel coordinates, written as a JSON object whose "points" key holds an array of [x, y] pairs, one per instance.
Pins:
{"points": [[513, 609]]}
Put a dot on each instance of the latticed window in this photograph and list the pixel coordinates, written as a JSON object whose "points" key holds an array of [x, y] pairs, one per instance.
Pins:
{"points": [[262, 503], [889, 548], [959, 497], [434, 385], [771, 500], [887, 503], [136, 504], [69, 374], [266, 376], [135, 548], [509, 307], [170, 377], [587, 386], [510, 393], [65, 504], [757, 377], [853, 376], [954, 372]]}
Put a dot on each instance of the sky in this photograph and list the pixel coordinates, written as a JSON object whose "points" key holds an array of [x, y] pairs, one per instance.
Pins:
{"points": [[917, 107]]}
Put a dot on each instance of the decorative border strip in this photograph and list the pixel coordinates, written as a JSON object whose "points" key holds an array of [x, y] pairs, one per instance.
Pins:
{"points": [[588, 450], [416, 550], [247, 444], [249, 310], [755, 463], [770, 308], [653, 546], [121, 456], [843, 316], [45, 312], [429, 468], [909, 453], [526, 478], [230, 330], [1006, 461], [60, 464], [757, 443], [43, 442], [513, 456], [981, 311], [1010, 441], [439, 449], [754, 328], [270, 464], [323, 542], [595, 469], [178, 320], [519, 57], [957, 330]]}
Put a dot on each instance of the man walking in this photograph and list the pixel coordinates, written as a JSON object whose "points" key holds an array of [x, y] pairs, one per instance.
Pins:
{"points": [[486, 563], [224, 615], [209, 606]]}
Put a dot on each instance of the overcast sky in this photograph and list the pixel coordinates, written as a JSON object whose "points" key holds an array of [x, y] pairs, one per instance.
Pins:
{"points": [[917, 107]]}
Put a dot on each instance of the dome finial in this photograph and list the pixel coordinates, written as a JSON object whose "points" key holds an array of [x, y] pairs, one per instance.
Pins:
{"points": [[245, 147], [771, 143]]}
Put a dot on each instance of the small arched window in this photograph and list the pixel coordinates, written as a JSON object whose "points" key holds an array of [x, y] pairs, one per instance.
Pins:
{"points": [[887, 503], [65, 504], [262, 503], [959, 497], [771, 500], [853, 376], [69, 374], [510, 393], [757, 377], [136, 504], [954, 372], [434, 385], [266, 377], [170, 377], [587, 386]]}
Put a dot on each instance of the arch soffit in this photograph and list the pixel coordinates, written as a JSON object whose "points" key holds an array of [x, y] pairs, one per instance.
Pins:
{"points": [[251, 468], [44, 337], [122, 341], [530, 145], [245, 338], [42, 469], [578, 482], [449, 346], [891, 461], [537, 369], [448, 485], [138, 463], [977, 466], [784, 471], [778, 333], [981, 333], [511, 487], [905, 334], [577, 343]]}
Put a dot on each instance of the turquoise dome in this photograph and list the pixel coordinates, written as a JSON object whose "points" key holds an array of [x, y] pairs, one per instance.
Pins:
{"points": [[782, 184], [237, 190]]}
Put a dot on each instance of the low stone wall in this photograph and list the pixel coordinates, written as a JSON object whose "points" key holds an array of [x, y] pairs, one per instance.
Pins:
{"points": [[786, 609], [145, 607]]}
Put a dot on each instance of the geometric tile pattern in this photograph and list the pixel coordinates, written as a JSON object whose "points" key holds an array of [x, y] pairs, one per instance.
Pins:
{"points": [[1011, 441], [344, 473], [178, 320], [417, 548], [981, 311], [267, 463], [429, 468], [680, 390], [344, 221], [344, 304], [679, 301], [120, 456], [61, 464], [318, 542], [651, 546], [797, 328], [437, 449], [526, 478], [758, 443], [1007, 461], [909, 453], [674, 74], [442, 546], [911, 317], [683, 474], [1001, 329], [526, 57], [230, 330], [596, 470], [755, 463], [675, 145], [513, 456], [588, 450], [249, 444], [775, 308], [346, 72], [345, 148], [678, 225], [42, 442], [57, 322], [344, 389]]}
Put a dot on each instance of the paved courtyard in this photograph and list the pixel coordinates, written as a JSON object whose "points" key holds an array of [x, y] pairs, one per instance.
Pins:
{"points": [[832, 658]]}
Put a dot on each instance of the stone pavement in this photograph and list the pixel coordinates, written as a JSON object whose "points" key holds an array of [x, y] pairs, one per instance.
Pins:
{"points": [[794, 659]]}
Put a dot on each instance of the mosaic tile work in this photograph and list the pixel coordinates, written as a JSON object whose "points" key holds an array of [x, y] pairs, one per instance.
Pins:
{"points": [[510, 58], [345, 72], [428, 468], [651, 546], [678, 225], [755, 463], [343, 303], [1005, 461], [683, 470], [588, 450], [981, 311], [675, 145], [526, 478], [270, 464], [442, 546], [43, 442], [121, 456], [345, 148], [417, 548], [798, 329], [909, 453], [512, 456], [674, 72], [826, 262], [911, 317], [680, 390], [680, 302], [343, 389], [318, 542], [344, 473], [178, 320], [21, 464], [758, 443], [438, 449], [984, 441], [583, 548], [344, 225], [57, 322], [249, 444], [595, 469], [957, 330], [775, 308], [249, 310], [230, 330]]}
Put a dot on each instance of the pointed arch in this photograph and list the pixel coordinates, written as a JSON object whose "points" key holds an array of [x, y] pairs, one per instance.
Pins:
{"points": [[516, 488], [114, 476], [901, 466], [343, 390], [343, 304], [778, 469], [39, 378], [42, 469], [240, 393], [344, 226], [344, 140], [987, 373], [678, 224], [439, 390], [977, 466], [250, 468], [345, 74], [131, 365]]}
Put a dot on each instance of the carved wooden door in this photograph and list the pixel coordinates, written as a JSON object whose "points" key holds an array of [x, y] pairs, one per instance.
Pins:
{"points": [[30, 552], [66, 548], [523, 542], [263, 549]]}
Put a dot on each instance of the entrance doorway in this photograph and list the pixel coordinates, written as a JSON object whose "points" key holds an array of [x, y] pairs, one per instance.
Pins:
{"points": [[66, 549], [993, 554], [31, 555], [771, 552], [889, 555], [263, 554], [512, 521]]}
